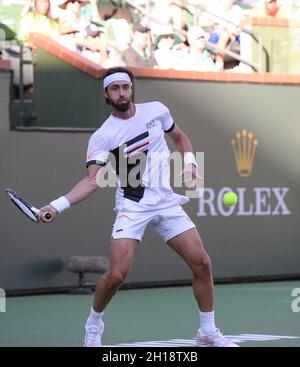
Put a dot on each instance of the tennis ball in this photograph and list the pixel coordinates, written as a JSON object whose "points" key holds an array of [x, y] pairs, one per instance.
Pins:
{"points": [[230, 198]]}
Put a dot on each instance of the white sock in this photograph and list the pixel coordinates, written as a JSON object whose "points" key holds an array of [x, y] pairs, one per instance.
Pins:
{"points": [[207, 322], [94, 317]]}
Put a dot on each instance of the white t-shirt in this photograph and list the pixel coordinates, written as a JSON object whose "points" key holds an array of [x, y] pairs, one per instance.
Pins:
{"points": [[140, 151]]}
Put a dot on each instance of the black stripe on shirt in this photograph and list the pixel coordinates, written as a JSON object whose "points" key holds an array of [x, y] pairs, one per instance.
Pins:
{"points": [[138, 148], [98, 163], [137, 138], [170, 129], [116, 151], [132, 193]]}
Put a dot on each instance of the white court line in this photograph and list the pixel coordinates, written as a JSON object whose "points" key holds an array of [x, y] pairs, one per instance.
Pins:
{"points": [[241, 338]]}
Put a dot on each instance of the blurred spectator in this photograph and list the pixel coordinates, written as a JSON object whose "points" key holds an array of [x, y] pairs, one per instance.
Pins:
{"points": [[268, 8], [69, 16], [139, 53], [89, 11], [180, 50], [71, 26], [164, 54], [115, 10], [118, 37], [248, 3], [227, 33], [166, 12], [118, 33], [38, 19], [93, 46], [198, 58]]}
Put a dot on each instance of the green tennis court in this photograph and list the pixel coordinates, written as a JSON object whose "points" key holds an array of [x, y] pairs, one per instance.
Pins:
{"points": [[253, 314]]}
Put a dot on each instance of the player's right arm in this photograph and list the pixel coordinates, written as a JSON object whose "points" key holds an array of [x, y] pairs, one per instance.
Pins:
{"points": [[79, 192], [96, 158], [85, 187]]}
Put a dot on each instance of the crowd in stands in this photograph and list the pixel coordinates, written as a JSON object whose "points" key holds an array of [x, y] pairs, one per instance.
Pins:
{"points": [[164, 34]]}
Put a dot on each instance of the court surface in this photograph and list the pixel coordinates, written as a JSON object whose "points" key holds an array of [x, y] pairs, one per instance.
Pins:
{"points": [[253, 314]]}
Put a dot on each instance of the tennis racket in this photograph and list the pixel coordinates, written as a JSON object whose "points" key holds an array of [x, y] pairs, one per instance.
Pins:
{"points": [[30, 211]]}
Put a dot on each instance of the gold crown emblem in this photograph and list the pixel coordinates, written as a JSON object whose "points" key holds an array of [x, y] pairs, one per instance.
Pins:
{"points": [[244, 147]]}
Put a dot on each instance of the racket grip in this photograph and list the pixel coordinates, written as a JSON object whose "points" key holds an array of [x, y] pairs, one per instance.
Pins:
{"points": [[48, 217]]}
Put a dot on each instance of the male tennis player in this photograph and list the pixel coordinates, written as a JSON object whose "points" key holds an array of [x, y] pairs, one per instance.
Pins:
{"points": [[137, 130]]}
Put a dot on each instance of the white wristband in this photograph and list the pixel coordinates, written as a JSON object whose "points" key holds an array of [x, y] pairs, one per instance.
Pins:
{"points": [[60, 204], [189, 158]]}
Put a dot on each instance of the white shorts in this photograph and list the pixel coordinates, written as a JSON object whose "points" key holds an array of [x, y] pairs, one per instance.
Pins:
{"points": [[168, 223]]}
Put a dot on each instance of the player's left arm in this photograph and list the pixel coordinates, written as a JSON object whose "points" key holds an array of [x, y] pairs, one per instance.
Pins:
{"points": [[184, 146], [182, 142]]}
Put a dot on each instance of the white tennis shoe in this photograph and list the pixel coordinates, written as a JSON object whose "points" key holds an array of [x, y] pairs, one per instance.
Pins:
{"points": [[213, 340], [93, 335]]}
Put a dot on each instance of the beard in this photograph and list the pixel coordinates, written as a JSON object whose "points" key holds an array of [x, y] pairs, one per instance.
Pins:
{"points": [[122, 106]]}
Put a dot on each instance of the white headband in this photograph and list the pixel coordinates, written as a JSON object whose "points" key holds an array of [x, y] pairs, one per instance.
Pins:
{"points": [[114, 78]]}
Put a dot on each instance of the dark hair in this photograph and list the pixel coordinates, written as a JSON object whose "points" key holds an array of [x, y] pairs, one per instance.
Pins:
{"points": [[119, 69]]}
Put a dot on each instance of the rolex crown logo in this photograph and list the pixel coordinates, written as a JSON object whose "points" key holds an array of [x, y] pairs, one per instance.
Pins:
{"points": [[244, 147]]}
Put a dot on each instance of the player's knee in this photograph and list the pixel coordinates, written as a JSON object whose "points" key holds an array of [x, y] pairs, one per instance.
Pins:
{"points": [[203, 265], [116, 277], [206, 262]]}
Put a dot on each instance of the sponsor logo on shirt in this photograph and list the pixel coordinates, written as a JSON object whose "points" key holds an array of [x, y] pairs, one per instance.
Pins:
{"points": [[151, 124]]}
